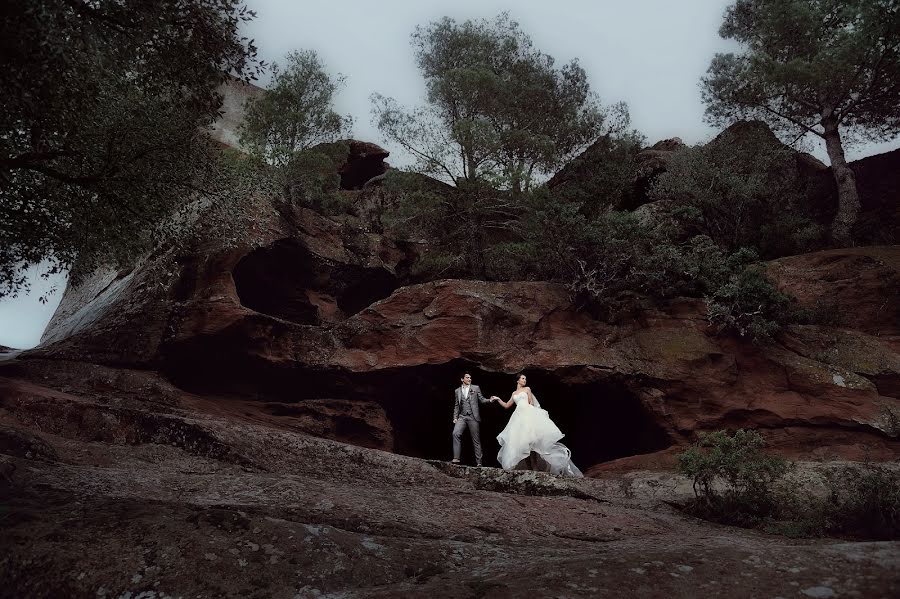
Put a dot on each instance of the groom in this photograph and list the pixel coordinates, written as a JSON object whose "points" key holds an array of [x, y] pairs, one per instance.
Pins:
{"points": [[466, 414]]}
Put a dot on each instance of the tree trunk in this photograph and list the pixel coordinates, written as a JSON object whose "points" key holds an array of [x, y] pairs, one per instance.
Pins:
{"points": [[475, 252], [848, 197]]}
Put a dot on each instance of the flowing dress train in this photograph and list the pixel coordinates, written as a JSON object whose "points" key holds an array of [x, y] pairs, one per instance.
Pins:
{"points": [[530, 430]]}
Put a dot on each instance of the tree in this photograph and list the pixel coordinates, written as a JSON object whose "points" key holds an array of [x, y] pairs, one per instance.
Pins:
{"points": [[829, 68], [295, 114], [498, 110], [101, 127]]}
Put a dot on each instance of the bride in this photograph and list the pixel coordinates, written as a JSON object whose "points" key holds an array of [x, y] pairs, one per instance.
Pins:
{"points": [[530, 430]]}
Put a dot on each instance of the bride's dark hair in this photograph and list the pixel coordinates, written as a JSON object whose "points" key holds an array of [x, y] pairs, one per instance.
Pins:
{"points": [[518, 376]]}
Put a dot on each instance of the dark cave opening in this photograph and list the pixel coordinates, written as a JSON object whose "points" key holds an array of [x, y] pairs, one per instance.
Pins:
{"points": [[273, 280], [287, 281], [602, 420]]}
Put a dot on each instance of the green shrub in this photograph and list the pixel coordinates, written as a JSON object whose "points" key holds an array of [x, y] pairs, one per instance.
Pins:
{"points": [[733, 480], [310, 178], [748, 304], [741, 193], [611, 260], [863, 501]]}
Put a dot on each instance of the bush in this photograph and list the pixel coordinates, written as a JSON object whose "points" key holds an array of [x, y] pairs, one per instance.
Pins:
{"points": [[741, 193], [462, 224], [734, 481], [863, 501], [748, 304], [310, 178], [609, 261], [612, 261]]}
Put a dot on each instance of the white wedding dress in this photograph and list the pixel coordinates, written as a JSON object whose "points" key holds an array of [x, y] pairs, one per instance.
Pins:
{"points": [[530, 429]]}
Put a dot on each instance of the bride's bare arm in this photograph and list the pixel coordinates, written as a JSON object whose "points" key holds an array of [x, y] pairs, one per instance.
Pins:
{"points": [[506, 404], [530, 396]]}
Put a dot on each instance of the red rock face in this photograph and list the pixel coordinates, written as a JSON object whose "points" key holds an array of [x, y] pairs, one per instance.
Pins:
{"points": [[317, 314], [856, 288], [365, 161]]}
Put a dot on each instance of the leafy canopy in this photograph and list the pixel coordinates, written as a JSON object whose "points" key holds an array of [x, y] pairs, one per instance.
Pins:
{"points": [[101, 123], [295, 113], [806, 61], [498, 109]]}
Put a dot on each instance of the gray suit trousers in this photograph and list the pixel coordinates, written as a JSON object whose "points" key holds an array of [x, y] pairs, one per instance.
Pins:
{"points": [[474, 430]]}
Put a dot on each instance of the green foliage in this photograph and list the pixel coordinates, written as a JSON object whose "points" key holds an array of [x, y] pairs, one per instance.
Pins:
{"points": [[100, 128], [295, 114], [311, 178], [749, 305], [603, 176], [233, 187], [498, 110], [602, 260], [746, 194], [862, 501], [733, 480], [460, 223], [611, 261], [807, 60]]}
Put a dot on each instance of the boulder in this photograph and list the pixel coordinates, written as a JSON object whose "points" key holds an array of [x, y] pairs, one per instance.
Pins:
{"points": [[365, 161]]}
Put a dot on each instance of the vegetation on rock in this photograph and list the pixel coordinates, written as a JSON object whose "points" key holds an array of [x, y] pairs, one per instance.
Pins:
{"points": [[741, 194], [736, 482], [295, 114]]}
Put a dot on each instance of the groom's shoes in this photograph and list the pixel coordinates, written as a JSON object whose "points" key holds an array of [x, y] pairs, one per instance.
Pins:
{"points": [[478, 465]]}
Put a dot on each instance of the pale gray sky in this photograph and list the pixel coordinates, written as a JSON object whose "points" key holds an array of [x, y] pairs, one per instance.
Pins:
{"points": [[649, 53]]}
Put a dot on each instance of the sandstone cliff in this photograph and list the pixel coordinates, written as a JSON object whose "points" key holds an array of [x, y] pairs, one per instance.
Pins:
{"points": [[316, 324]]}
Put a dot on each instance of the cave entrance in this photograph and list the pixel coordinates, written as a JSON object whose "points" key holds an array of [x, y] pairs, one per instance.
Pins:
{"points": [[287, 281], [602, 421]]}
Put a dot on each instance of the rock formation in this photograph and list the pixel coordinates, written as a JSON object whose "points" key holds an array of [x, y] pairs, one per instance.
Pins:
{"points": [[877, 177], [310, 313], [256, 408]]}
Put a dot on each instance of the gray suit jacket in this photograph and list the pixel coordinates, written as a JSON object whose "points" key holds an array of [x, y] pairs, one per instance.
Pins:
{"points": [[474, 394]]}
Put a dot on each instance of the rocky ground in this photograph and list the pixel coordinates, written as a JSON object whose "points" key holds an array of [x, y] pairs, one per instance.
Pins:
{"points": [[131, 490]]}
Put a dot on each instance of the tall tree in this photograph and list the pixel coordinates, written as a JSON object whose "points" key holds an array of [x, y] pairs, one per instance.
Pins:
{"points": [[295, 113], [829, 68], [101, 122], [498, 109]]}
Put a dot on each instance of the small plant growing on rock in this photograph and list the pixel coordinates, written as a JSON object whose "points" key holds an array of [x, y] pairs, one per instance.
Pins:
{"points": [[748, 304], [734, 481]]}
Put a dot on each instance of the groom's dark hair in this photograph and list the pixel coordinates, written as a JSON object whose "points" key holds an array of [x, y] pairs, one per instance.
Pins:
{"points": [[464, 373]]}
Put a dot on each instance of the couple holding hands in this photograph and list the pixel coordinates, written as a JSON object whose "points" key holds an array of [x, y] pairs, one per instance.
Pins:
{"points": [[529, 429]]}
